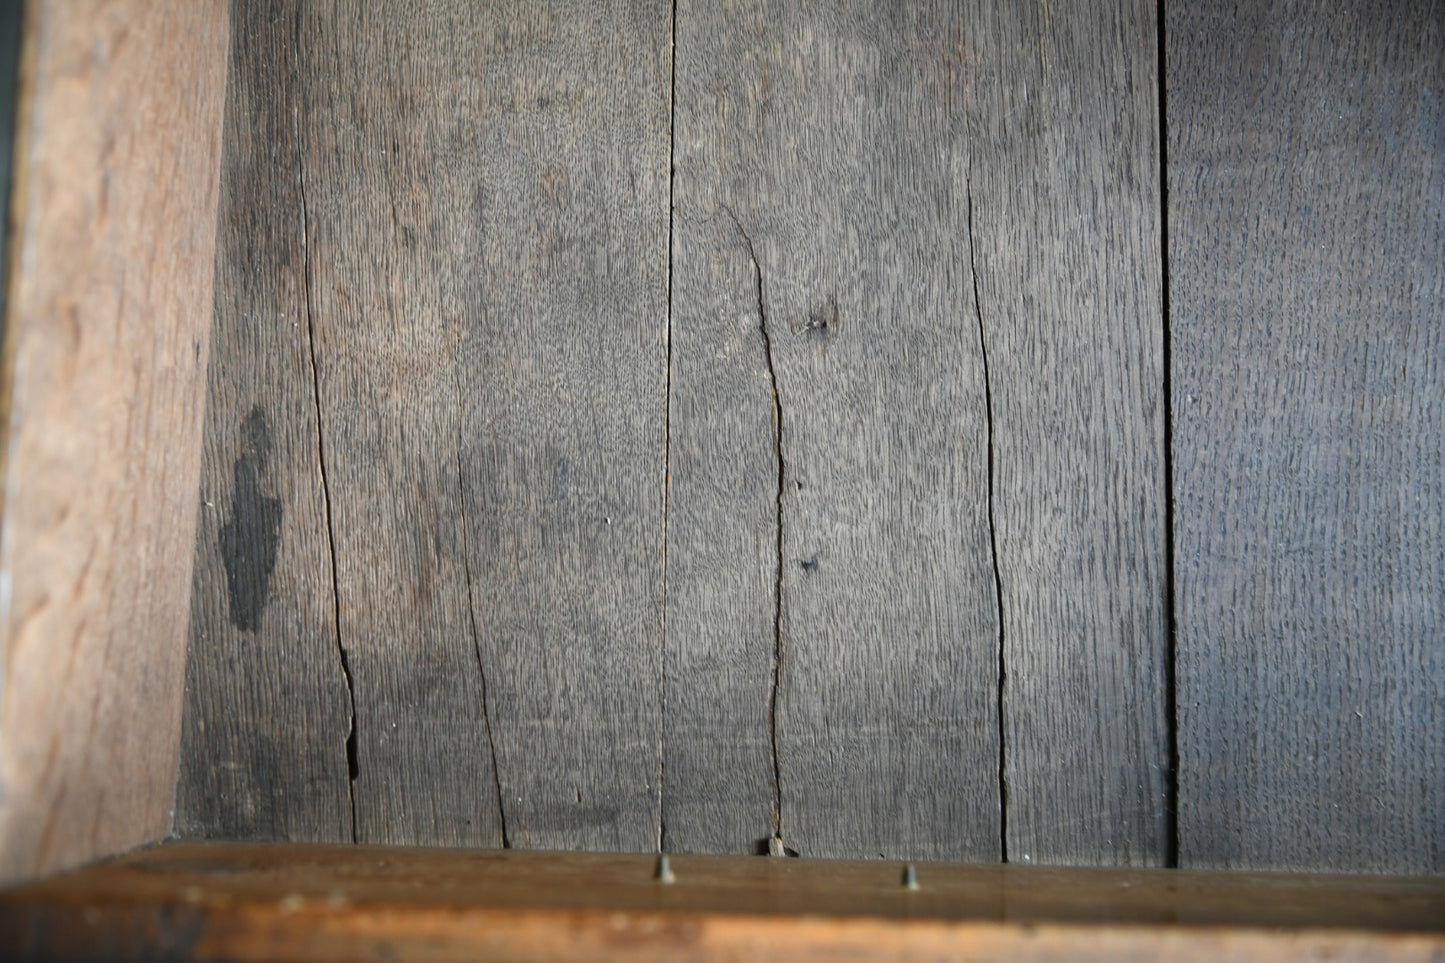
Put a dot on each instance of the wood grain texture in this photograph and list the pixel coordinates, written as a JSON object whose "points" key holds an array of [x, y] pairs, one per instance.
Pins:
{"points": [[115, 166], [1067, 233], [563, 410], [245, 902], [1307, 260], [486, 238], [263, 752], [388, 159], [828, 440], [10, 36]]}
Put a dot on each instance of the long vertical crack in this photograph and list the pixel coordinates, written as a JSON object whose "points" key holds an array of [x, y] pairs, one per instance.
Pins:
{"points": [[352, 767], [778, 580], [667, 449], [1171, 645], [472, 619], [992, 525]]}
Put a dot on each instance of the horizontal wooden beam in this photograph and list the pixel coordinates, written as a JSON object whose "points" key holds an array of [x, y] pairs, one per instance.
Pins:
{"points": [[239, 901]]}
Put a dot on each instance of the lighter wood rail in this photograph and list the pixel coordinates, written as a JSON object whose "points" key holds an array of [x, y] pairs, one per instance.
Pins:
{"points": [[240, 901]]}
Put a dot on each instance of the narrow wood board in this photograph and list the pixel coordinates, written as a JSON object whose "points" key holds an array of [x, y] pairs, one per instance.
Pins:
{"points": [[106, 329], [485, 230], [562, 280], [1307, 287], [201, 901], [832, 619], [1065, 173], [263, 751]]}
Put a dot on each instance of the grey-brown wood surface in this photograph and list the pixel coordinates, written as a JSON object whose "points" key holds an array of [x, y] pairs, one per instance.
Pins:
{"points": [[828, 440], [1066, 228], [1307, 291], [382, 86], [458, 216], [872, 234], [563, 375], [267, 713]]}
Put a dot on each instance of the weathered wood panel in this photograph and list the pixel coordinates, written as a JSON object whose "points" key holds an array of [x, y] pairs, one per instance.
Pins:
{"points": [[486, 243], [1307, 288], [389, 160], [267, 715], [10, 35], [561, 278], [828, 508], [1067, 237], [116, 153]]}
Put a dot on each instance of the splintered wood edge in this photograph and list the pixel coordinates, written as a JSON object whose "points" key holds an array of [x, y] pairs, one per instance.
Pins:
{"points": [[212, 901]]}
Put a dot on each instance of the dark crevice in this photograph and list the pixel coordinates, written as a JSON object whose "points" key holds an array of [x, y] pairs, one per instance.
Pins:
{"points": [[778, 582], [472, 620], [352, 765], [667, 446], [1171, 699], [992, 526]]}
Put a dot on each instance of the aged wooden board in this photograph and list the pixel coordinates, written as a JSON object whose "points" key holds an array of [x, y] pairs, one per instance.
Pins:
{"points": [[559, 283], [107, 315], [267, 711], [242, 902], [832, 617], [1066, 227], [486, 243], [386, 184], [1307, 287]]}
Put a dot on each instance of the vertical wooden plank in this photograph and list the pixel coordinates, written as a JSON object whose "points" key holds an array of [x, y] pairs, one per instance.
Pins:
{"points": [[563, 414], [267, 714], [105, 344], [828, 440], [486, 247], [10, 34], [387, 137], [1307, 281], [1067, 233]]}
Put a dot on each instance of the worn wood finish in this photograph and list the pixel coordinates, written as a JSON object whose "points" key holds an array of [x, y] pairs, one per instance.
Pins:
{"points": [[1307, 263], [563, 381], [1066, 226], [828, 440], [116, 153], [245, 902], [267, 714], [486, 243], [387, 182]]}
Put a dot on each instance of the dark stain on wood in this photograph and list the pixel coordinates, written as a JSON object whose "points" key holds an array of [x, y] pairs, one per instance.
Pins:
{"points": [[249, 539]]}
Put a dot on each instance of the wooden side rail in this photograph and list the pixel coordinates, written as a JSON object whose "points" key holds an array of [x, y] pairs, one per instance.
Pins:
{"points": [[241, 901]]}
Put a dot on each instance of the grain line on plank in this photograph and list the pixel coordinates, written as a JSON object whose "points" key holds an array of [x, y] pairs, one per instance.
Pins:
{"points": [[992, 529], [352, 767], [472, 619]]}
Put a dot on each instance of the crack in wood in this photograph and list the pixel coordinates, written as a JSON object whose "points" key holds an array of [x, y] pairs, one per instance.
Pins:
{"points": [[352, 766], [667, 444], [778, 583], [472, 621], [992, 529]]}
